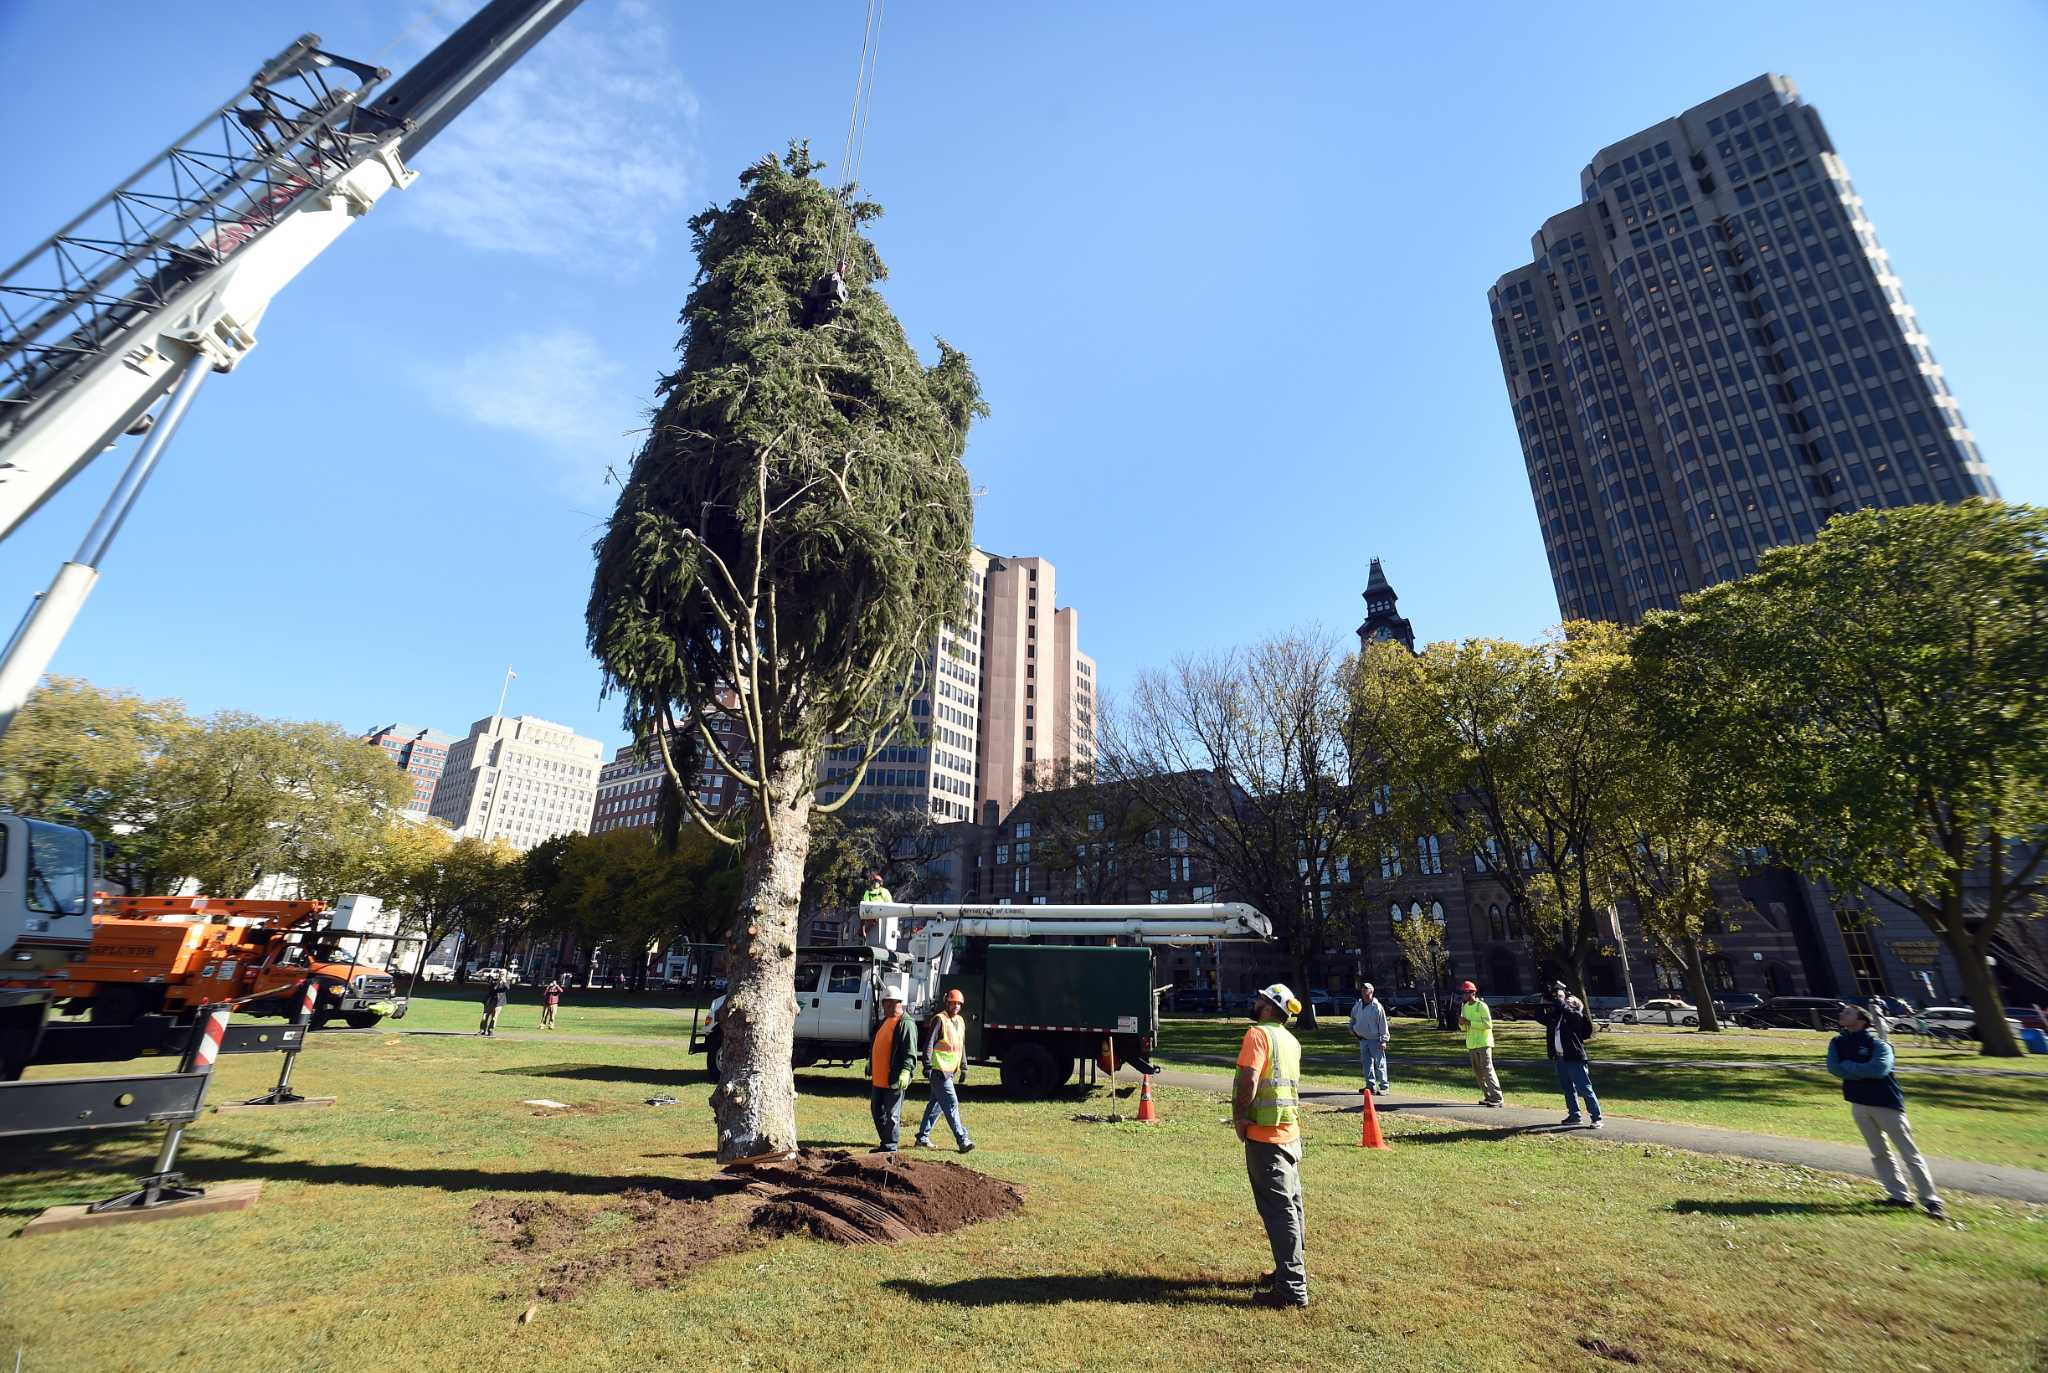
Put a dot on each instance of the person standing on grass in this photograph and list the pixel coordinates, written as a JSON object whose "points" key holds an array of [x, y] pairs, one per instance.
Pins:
{"points": [[1265, 1104], [1477, 1019], [550, 999], [948, 1070], [495, 997], [1566, 1028], [889, 1061], [1863, 1060], [1369, 1028]]}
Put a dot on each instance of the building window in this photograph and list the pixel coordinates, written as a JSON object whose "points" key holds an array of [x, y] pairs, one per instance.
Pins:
{"points": [[1002, 853], [1427, 857], [1095, 820], [1159, 896], [1203, 894], [1495, 926]]}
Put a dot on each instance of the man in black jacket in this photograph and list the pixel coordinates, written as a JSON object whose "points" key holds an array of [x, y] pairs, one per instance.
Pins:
{"points": [[1566, 1028]]}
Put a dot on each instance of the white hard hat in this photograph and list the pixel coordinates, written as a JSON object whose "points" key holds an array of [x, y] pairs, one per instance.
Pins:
{"points": [[1281, 996], [896, 989]]}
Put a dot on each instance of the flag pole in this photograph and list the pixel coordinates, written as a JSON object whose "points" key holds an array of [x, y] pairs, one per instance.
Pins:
{"points": [[509, 675]]}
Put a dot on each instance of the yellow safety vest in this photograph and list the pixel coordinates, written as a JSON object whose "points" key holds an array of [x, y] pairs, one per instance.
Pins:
{"points": [[874, 895], [1277, 1102], [949, 1045]]}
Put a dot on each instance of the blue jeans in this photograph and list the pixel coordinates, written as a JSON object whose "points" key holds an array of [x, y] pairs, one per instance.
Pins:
{"points": [[1575, 1077], [886, 1105], [1373, 1055], [945, 1096]]}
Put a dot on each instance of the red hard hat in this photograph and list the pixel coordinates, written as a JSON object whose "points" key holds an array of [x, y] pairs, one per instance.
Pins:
{"points": [[954, 998], [1467, 987]]}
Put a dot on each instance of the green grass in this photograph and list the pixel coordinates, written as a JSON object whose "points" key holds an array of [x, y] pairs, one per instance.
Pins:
{"points": [[1982, 1119], [1453, 1251], [441, 1006]]}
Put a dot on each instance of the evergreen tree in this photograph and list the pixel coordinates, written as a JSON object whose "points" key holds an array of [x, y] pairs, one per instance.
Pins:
{"points": [[794, 531]]}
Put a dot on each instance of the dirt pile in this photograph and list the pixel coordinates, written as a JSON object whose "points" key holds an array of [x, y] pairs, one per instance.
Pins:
{"points": [[655, 1236]]}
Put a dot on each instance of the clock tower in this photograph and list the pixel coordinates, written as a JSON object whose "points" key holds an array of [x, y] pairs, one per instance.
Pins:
{"points": [[1383, 622]]}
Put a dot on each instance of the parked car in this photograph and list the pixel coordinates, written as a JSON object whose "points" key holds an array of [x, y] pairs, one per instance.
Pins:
{"points": [[437, 972], [1517, 1008], [1792, 1012], [1957, 1020], [1407, 1007], [1729, 1003], [1890, 1007], [1663, 1010], [1192, 1001], [491, 975]]}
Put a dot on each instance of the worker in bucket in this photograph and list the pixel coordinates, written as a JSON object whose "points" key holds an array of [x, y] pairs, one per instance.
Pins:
{"points": [[876, 891], [890, 1058], [947, 1069], [1266, 1106]]}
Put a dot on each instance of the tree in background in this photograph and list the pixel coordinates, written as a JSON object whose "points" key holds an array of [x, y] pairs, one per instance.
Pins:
{"points": [[899, 843], [1420, 938], [795, 530], [80, 755], [1255, 760], [442, 885], [1880, 697], [1509, 750]]}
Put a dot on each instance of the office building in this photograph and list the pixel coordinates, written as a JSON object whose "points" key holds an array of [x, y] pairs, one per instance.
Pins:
{"points": [[1710, 355], [520, 779], [420, 754], [1037, 687], [930, 763]]}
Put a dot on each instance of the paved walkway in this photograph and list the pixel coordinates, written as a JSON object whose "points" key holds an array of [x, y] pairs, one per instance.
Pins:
{"points": [[1349, 1063], [1986, 1179]]}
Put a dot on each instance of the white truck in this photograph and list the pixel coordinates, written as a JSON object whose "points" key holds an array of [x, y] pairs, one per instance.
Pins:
{"points": [[1034, 1009]]}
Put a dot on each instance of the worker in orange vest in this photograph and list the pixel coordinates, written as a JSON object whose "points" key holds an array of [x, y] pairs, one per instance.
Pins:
{"points": [[889, 1062], [947, 1058], [1266, 1107]]}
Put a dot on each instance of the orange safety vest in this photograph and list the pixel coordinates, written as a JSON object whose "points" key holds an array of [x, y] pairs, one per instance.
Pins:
{"points": [[878, 1056]]}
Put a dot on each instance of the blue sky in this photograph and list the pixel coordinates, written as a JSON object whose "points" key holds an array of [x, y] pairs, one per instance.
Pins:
{"points": [[1222, 272]]}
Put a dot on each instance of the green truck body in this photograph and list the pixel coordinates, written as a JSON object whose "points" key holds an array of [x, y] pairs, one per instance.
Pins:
{"points": [[1038, 1009]]}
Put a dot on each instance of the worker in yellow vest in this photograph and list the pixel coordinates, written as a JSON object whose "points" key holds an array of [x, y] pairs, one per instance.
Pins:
{"points": [[889, 1062], [1266, 1106], [947, 1069]]}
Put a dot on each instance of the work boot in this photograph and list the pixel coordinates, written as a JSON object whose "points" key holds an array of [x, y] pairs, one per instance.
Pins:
{"points": [[1936, 1209], [1273, 1297], [920, 1143], [968, 1147]]}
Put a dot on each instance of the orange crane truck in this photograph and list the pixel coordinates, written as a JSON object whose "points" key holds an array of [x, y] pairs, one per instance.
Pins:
{"points": [[122, 959]]}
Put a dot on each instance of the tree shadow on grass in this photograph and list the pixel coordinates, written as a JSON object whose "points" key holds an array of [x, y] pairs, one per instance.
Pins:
{"points": [[1776, 1208], [1056, 1289], [608, 1072]]}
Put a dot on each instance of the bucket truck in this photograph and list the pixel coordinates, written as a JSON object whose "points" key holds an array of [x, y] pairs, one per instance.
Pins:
{"points": [[1033, 1009]]}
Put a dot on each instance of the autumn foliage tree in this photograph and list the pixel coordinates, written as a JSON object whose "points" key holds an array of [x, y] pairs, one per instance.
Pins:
{"points": [[794, 530]]}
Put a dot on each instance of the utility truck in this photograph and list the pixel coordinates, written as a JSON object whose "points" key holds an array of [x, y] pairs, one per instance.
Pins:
{"points": [[1033, 1009]]}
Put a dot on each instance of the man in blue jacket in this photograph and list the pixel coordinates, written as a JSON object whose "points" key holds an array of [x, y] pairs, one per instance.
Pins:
{"points": [[1864, 1063]]}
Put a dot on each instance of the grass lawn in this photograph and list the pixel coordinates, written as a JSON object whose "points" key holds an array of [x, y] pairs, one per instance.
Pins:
{"points": [[443, 1006], [1449, 1252], [1984, 1119]]}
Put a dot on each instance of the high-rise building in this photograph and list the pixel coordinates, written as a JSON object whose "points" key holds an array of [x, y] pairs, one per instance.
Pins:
{"points": [[1037, 689], [1384, 622], [420, 754], [1710, 356], [520, 779], [930, 763]]}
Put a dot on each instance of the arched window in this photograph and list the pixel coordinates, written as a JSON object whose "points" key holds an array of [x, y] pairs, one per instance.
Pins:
{"points": [[1720, 976], [1495, 926]]}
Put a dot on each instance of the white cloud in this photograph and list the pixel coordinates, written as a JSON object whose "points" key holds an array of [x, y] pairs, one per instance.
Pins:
{"points": [[583, 152], [556, 387]]}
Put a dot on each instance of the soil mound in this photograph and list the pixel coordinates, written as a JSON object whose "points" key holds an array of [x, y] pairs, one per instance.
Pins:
{"points": [[668, 1231], [872, 1198]]}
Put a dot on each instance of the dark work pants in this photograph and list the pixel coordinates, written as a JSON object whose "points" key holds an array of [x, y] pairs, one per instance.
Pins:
{"points": [[886, 1104]]}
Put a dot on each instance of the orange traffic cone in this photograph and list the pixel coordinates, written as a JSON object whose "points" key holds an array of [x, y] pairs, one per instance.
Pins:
{"points": [[1145, 1111], [1369, 1136]]}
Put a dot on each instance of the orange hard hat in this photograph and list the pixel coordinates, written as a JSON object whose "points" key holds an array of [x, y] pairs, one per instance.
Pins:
{"points": [[954, 998]]}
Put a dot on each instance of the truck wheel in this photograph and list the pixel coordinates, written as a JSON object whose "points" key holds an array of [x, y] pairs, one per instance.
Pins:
{"points": [[1030, 1072], [711, 1043], [362, 1020], [805, 1055]]}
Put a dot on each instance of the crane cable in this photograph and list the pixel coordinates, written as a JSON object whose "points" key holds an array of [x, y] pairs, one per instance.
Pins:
{"points": [[857, 117]]}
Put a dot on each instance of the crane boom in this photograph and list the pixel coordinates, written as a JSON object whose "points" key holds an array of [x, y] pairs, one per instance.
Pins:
{"points": [[170, 273]]}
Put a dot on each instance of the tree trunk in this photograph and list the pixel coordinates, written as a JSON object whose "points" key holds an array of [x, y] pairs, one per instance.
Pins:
{"points": [[1307, 1019], [1696, 983], [755, 1102], [1994, 1034]]}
